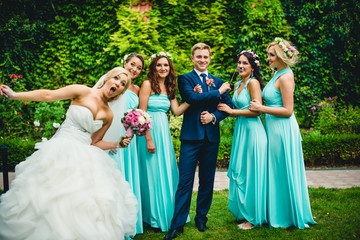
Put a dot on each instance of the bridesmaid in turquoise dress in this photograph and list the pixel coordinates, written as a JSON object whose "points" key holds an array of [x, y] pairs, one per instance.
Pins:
{"points": [[127, 160], [288, 203], [248, 160], [158, 168]]}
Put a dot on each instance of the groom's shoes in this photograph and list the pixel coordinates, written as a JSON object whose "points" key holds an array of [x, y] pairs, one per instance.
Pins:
{"points": [[201, 227], [174, 233]]}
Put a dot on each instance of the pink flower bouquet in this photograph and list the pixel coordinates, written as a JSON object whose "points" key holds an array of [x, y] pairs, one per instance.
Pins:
{"points": [[136, 121]]}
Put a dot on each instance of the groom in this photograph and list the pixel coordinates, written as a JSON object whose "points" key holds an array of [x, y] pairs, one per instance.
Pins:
{"points": [[200, 137]]}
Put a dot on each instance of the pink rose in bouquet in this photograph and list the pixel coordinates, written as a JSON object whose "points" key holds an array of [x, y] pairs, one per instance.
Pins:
{"points": [[136, 121]]}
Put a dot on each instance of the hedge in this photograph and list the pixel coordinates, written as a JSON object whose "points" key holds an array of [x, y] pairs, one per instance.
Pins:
{"points": [[331, 150], [319, 150]]}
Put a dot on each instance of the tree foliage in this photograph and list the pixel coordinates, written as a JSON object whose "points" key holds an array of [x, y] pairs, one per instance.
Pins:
{"points": [[55, 43], [328, 38]]}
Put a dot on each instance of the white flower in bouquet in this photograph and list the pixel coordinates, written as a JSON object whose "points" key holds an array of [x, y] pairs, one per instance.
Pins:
{"points": [[142, 120], [56, 125]]}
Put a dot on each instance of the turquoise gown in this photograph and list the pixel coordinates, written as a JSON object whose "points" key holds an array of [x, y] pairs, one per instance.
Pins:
{"points": [[159, 172], [128, 162], [288, 203], [248, 164]]}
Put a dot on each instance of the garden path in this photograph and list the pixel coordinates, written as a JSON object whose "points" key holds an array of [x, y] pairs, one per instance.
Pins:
{"points": [[327, 178]]}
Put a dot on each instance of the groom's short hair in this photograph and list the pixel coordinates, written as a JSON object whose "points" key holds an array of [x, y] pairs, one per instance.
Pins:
{"points": [[200, 46]]}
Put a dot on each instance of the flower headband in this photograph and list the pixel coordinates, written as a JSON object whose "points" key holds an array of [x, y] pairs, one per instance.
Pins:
{"points": [[253, 54], [288, 50], [126, 57], [160, 54]]}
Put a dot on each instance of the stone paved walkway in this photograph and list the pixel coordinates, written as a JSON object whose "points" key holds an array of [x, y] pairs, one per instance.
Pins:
{"points": [[329, 178]]}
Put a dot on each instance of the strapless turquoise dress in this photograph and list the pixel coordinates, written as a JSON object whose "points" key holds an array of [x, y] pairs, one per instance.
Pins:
{"points": [[288, 203], [159, 172], [127, 159], [248, 165]]}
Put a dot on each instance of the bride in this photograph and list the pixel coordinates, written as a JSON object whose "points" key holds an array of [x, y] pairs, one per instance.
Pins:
{"points": [[70, 188]]}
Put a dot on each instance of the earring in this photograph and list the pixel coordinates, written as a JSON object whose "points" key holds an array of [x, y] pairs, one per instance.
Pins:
{"points": [[252, 74]]}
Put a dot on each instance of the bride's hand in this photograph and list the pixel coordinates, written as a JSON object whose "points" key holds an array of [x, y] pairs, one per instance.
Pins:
{"points": [[125, 141], [7, 92]]}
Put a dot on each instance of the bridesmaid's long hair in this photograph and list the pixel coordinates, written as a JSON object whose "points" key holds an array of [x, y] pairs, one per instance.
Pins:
{"points": [[170, 80], [256, 68]]}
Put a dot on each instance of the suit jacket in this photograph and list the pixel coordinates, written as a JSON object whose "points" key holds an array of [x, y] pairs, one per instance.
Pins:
{"points": [[192, 129]]}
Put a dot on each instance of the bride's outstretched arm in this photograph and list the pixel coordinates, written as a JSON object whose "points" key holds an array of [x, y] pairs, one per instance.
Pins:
{"points": [[45, 95]]}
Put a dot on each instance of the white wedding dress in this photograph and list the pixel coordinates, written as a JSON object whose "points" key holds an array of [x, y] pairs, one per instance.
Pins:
{"points": [[69, 189]]}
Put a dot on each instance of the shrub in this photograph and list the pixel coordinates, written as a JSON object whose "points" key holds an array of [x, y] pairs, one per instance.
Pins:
{"points": [[331, 150], [18, 150], [49, 116], [15, 116], [329, 117]]}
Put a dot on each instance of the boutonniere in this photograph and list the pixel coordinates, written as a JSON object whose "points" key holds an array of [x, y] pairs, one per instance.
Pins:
{"points": [[210, 82]]}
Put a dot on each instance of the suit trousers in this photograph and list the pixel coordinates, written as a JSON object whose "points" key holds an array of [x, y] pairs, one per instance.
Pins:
{"points": [[191, 153]]}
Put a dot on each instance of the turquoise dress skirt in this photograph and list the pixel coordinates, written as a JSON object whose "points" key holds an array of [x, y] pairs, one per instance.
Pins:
{"points": [[248, 165], [159, 172], [128, 162], [288, 203]]}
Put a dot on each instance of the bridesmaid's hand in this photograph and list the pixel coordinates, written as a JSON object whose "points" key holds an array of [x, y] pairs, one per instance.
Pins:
{"points": [[225, 108], [198, 89], [255, 105], [151, 146]]}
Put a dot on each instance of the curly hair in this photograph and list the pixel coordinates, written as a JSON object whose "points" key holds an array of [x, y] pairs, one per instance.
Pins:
{"points": [[251, 58], [170, 80]]}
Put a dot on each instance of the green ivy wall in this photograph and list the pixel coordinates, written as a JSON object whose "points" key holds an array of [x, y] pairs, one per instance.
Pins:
{"points": [[55, 43]]}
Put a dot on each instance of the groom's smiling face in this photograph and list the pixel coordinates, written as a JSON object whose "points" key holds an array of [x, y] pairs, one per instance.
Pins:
{"points": [[201, 59]]}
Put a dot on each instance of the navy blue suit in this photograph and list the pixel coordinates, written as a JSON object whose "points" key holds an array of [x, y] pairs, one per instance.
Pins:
{"points": [[199, 144]]}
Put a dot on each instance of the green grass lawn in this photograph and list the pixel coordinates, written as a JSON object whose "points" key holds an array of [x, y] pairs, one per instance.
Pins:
{"points": [[337, 212]]}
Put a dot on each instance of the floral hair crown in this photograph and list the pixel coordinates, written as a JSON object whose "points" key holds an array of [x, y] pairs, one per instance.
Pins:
{"points": [[289, 51], [126, 57], [160, 54], [253, 54]]}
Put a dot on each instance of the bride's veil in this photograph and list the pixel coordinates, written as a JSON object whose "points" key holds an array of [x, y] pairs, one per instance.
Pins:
{"points": [[117, 106]]}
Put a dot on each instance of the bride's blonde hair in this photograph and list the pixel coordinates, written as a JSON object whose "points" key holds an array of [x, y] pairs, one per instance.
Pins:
{"points": [[115, 72]]}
